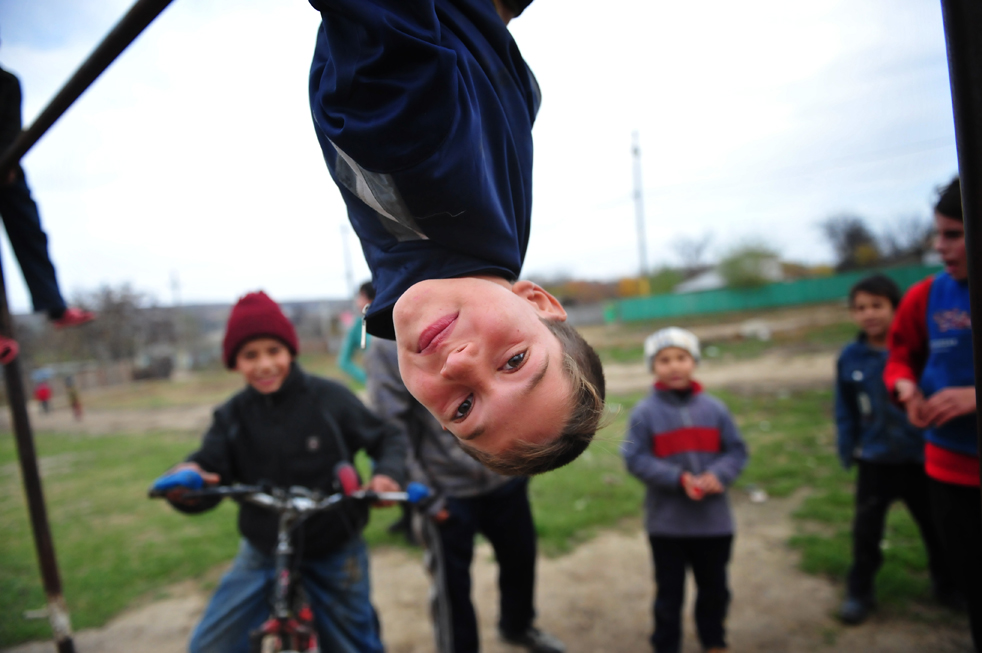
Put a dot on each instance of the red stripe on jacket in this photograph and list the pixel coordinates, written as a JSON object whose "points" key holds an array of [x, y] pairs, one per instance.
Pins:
{"points": [[951, 466], [693, 438], [908, 339]]}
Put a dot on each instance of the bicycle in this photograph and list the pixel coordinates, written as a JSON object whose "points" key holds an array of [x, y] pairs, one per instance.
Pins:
{"points": [[290, 627]]}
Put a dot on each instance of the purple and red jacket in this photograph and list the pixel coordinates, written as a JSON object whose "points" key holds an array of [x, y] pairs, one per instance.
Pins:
{"points": [[673, 432]]}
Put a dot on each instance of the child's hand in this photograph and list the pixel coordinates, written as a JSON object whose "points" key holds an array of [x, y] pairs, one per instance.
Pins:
{"points": [[947, 404], [709, 484], [177, 494], [441, 516], [691, 487], [915, 411], [382, 483], [906, 390]]}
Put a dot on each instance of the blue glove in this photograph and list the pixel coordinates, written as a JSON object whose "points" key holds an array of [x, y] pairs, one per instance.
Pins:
{"points": [[186, 478], [416, 492]]}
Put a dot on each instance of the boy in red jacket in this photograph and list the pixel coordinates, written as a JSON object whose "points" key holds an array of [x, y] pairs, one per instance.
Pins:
{"points": [[930, 372]]}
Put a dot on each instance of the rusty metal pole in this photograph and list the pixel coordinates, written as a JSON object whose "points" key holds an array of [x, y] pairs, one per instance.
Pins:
{"points": [[125, 32], [963, 34], [57, 610], [130, 26]]}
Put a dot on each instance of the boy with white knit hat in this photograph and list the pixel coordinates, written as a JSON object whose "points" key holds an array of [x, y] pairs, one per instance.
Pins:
{"points": [[683, 445]]}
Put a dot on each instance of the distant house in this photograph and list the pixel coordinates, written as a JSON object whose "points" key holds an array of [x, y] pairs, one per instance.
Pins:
{"points": [[769, 268]]}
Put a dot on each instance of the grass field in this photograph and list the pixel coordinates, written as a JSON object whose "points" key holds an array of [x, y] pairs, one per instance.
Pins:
{"points": [[114, 546]]}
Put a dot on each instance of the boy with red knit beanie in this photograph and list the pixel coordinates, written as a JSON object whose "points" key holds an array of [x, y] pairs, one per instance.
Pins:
{"points": [[929, 370], [289, 428]]}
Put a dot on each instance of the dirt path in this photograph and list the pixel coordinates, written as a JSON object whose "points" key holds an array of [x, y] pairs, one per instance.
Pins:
{"points": [[769, 372], [597, 600], [774, 371], [100, 422]]}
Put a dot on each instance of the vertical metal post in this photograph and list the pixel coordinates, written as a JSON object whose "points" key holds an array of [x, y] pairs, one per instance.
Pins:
{"points": [[43, 542], [130, 26], [639, 212], [963, 35]]}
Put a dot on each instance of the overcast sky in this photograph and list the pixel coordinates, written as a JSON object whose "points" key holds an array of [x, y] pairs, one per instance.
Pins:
{"points": [[193, 156]]}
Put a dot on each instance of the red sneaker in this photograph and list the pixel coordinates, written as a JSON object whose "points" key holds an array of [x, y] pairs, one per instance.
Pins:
{"points": [[8, 350], [73, 317]]}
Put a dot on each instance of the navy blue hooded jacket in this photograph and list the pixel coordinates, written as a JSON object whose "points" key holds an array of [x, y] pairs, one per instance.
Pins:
{"points": [[871, 427], [424, 112]]}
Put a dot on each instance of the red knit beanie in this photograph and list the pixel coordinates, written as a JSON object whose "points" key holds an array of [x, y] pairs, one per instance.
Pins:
{"points": [[256, 316]]}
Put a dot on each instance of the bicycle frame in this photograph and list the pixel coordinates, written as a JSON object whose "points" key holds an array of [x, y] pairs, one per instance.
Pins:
{"points": [[288, 630]]}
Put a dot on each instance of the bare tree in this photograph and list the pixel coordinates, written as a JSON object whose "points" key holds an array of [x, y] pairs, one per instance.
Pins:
{"points": [[852, 240], [908, 237], [692, 250]]}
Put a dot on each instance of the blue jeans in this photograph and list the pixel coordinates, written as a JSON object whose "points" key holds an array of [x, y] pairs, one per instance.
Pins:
{"points": [[30, 245], [337, 587]]}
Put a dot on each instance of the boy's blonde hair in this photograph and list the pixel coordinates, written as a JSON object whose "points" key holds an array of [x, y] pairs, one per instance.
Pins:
{"points": [[585, 373]]}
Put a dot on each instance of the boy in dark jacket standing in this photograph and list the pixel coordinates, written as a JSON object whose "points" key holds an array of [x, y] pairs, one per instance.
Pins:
{"points": [[289, 428], [889, 450], [686, 449]]}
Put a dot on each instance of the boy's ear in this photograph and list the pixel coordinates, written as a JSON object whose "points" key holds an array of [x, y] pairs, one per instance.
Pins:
{"points": [[545, 304]]}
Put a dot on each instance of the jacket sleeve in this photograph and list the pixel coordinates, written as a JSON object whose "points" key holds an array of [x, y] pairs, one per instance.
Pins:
{"points": [[380, 438], [908, 339], [213, 456], [391, 400], [346, 357], [382, 87], [640, 459], [846, 417], [727, 467]]}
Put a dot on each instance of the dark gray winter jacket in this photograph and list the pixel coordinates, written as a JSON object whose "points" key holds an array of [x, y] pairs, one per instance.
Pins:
{"points": [[671, 433]]}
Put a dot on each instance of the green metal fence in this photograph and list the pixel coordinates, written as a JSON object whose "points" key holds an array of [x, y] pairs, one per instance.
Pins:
{"points": [[792, 293]]}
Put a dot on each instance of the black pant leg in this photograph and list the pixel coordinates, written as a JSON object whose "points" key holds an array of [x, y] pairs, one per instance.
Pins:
{"points": [[916, 495], [505, 519], [709, 557], [669, 554], [958, 515], [874, 495], [30, 245], [457, 550]]}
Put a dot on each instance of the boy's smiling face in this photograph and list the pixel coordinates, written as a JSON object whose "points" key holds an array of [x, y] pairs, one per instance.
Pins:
{"points": [[673, 367], [873, 314], [475, 352], [264, 363]]}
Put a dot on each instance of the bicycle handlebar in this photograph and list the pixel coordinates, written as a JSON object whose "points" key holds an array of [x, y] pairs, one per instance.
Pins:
{"points": [[296, 498]]}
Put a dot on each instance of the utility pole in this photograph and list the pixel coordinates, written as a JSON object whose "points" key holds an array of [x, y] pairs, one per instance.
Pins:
{"points": [[175, 289], [639, 214], [348, 272]]}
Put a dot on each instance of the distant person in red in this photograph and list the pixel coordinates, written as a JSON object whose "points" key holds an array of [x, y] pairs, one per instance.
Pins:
{"points": [[23, 225], [930, 371], [42, 394]]}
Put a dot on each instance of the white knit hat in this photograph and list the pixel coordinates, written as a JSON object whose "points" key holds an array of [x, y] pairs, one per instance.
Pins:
{"points": [[670, 337]]}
